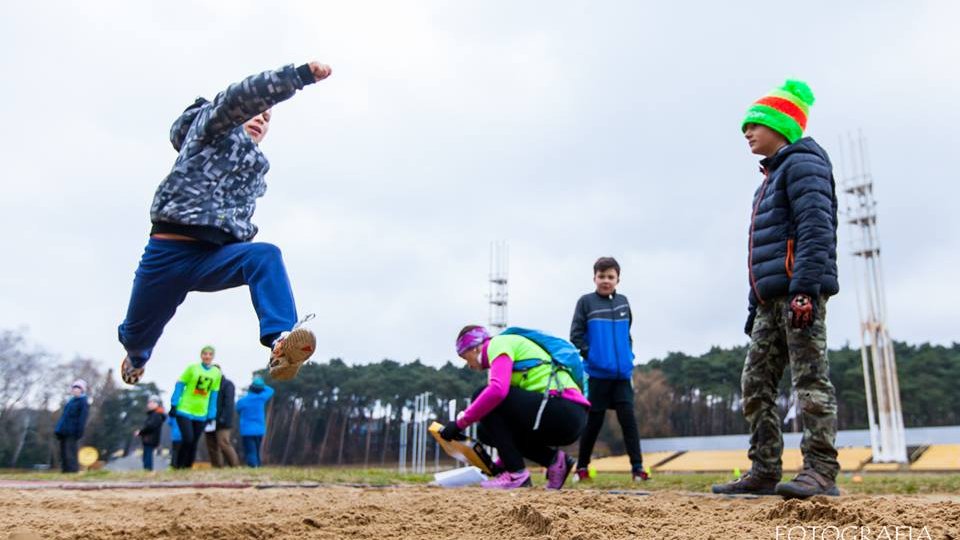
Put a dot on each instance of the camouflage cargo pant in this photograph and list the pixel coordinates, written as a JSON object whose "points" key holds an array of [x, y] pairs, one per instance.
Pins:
{"points": [[773, 344]]}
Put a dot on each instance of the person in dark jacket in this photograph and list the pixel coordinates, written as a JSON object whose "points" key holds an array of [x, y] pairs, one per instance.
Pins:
{"points": [[70, 426], [151, 430], [253, 423], [792, 268], [601, 330], [202, 233], [218, 439]]}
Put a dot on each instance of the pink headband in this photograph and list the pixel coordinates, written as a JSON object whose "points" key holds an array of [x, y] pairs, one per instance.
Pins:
{"points": [[471, 339]]}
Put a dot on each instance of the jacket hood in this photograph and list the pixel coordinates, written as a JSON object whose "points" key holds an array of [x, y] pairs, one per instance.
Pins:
{"points": [[805, 145], [180, 127]]}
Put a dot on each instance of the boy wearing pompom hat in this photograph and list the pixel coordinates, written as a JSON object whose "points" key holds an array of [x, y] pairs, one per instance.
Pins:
{"points": [[792, 272]]}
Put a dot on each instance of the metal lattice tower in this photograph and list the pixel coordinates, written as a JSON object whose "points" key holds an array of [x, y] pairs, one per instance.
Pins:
{"points": [[499, 267], [882, 387]]}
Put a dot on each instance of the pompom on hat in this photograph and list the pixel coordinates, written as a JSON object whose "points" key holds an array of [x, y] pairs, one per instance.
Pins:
{"points": [[784, 110]]}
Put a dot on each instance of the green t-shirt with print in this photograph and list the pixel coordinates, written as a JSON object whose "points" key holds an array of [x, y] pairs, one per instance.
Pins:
{"points": [[198, 384]]}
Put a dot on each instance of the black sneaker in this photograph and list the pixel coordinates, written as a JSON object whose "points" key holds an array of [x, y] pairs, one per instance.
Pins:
{"points": [[807, 484], [748, 484]]}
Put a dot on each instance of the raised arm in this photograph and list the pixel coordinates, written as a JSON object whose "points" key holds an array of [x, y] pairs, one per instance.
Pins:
{"points": [[243, 100]]}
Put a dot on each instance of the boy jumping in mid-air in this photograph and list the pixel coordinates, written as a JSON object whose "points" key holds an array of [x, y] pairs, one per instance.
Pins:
{"points": [[201, 235]]}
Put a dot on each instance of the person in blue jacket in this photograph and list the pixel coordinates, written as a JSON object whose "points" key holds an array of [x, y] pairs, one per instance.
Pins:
{"points": [[253, 424], [175, 440], [69, 428], [601, 330]]}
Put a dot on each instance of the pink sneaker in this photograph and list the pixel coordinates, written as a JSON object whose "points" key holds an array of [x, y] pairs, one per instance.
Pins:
{"points": [[558, 472], [508, 480]]}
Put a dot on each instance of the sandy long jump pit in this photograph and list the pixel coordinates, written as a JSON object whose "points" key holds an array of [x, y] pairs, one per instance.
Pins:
{"points": [[331, 512]]}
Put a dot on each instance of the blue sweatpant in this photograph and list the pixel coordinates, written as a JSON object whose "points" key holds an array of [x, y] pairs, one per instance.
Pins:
{"points": [[169, 269], [251, 449]]}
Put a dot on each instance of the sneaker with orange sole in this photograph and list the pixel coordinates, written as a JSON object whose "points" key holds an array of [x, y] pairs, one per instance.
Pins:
{"points": [[291, 350]]}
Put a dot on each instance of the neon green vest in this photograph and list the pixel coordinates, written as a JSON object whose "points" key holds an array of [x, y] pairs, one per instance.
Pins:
{"points": [[534, 379], [198, 384]]}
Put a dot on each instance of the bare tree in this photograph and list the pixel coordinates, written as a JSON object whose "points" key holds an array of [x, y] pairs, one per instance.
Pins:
{"points": [[21, 375]]}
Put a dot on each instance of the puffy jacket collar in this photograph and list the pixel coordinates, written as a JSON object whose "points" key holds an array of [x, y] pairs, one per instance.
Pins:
{"points": [[805, 145]]}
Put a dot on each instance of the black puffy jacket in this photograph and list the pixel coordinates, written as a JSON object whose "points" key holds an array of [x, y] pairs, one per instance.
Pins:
{"points": [[793, 230], [226, 406], [152, 427]]}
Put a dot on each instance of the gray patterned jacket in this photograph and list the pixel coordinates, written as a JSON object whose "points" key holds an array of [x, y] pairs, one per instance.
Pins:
{"points": [[212, 190]]}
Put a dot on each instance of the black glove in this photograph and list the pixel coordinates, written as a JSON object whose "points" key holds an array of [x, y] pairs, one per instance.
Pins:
{"points": [[748, 328], [802, 311], [173, 411], [451, 432]]}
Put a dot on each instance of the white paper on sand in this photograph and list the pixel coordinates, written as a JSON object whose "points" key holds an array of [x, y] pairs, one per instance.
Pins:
{"points": [[464, 476]]}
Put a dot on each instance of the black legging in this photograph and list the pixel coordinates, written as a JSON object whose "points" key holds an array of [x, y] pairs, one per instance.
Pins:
{"points": [[509, 428], [611, 394], [191, 431]]}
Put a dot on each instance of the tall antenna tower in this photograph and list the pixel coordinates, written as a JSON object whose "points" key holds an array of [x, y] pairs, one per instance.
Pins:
{"points": [[499, 266], [882, 387]]}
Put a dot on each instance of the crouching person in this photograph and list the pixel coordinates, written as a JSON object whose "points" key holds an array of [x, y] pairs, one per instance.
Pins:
{"points": [[528, 408]]}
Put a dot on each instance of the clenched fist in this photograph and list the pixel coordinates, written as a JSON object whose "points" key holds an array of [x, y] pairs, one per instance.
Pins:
{"points": [[320, 71]]}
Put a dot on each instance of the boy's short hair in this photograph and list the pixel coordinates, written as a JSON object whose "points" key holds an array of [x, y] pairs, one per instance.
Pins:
{"points": [[605, 263]]}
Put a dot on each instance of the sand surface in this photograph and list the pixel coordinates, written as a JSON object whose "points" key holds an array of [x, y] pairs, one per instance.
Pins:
{"points": [[427, 513]]}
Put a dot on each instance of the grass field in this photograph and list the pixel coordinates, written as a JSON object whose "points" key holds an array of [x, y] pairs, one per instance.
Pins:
{"points": [[870, 484]]}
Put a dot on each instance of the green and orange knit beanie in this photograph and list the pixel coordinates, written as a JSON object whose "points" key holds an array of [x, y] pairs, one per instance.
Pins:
{"points": [[784, 110]]}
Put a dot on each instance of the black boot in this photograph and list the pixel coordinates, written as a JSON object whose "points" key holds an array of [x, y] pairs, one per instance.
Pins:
{"points": [[748, 484], [807, 484]]}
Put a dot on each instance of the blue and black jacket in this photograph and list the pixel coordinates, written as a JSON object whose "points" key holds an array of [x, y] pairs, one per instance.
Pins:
{"points": [[601, 330], [793, 231], [74, 418]]}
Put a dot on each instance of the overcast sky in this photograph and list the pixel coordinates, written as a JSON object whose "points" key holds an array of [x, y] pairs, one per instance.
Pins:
{"points": [[570, 130]]}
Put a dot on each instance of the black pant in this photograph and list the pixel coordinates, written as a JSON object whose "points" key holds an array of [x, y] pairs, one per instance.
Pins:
{"points": [[68, 454], [616, 394], [509, 428], [174, 451], [191, 431]]}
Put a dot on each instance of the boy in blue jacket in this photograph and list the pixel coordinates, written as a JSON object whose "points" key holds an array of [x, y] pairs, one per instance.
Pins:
{"points": [[253, 423], [202, 229], [70, 426], [792, 270], [601, 330]]}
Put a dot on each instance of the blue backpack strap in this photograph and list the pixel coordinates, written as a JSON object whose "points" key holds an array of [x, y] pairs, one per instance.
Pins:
{"points": [[526, 365], [562, 353]]}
